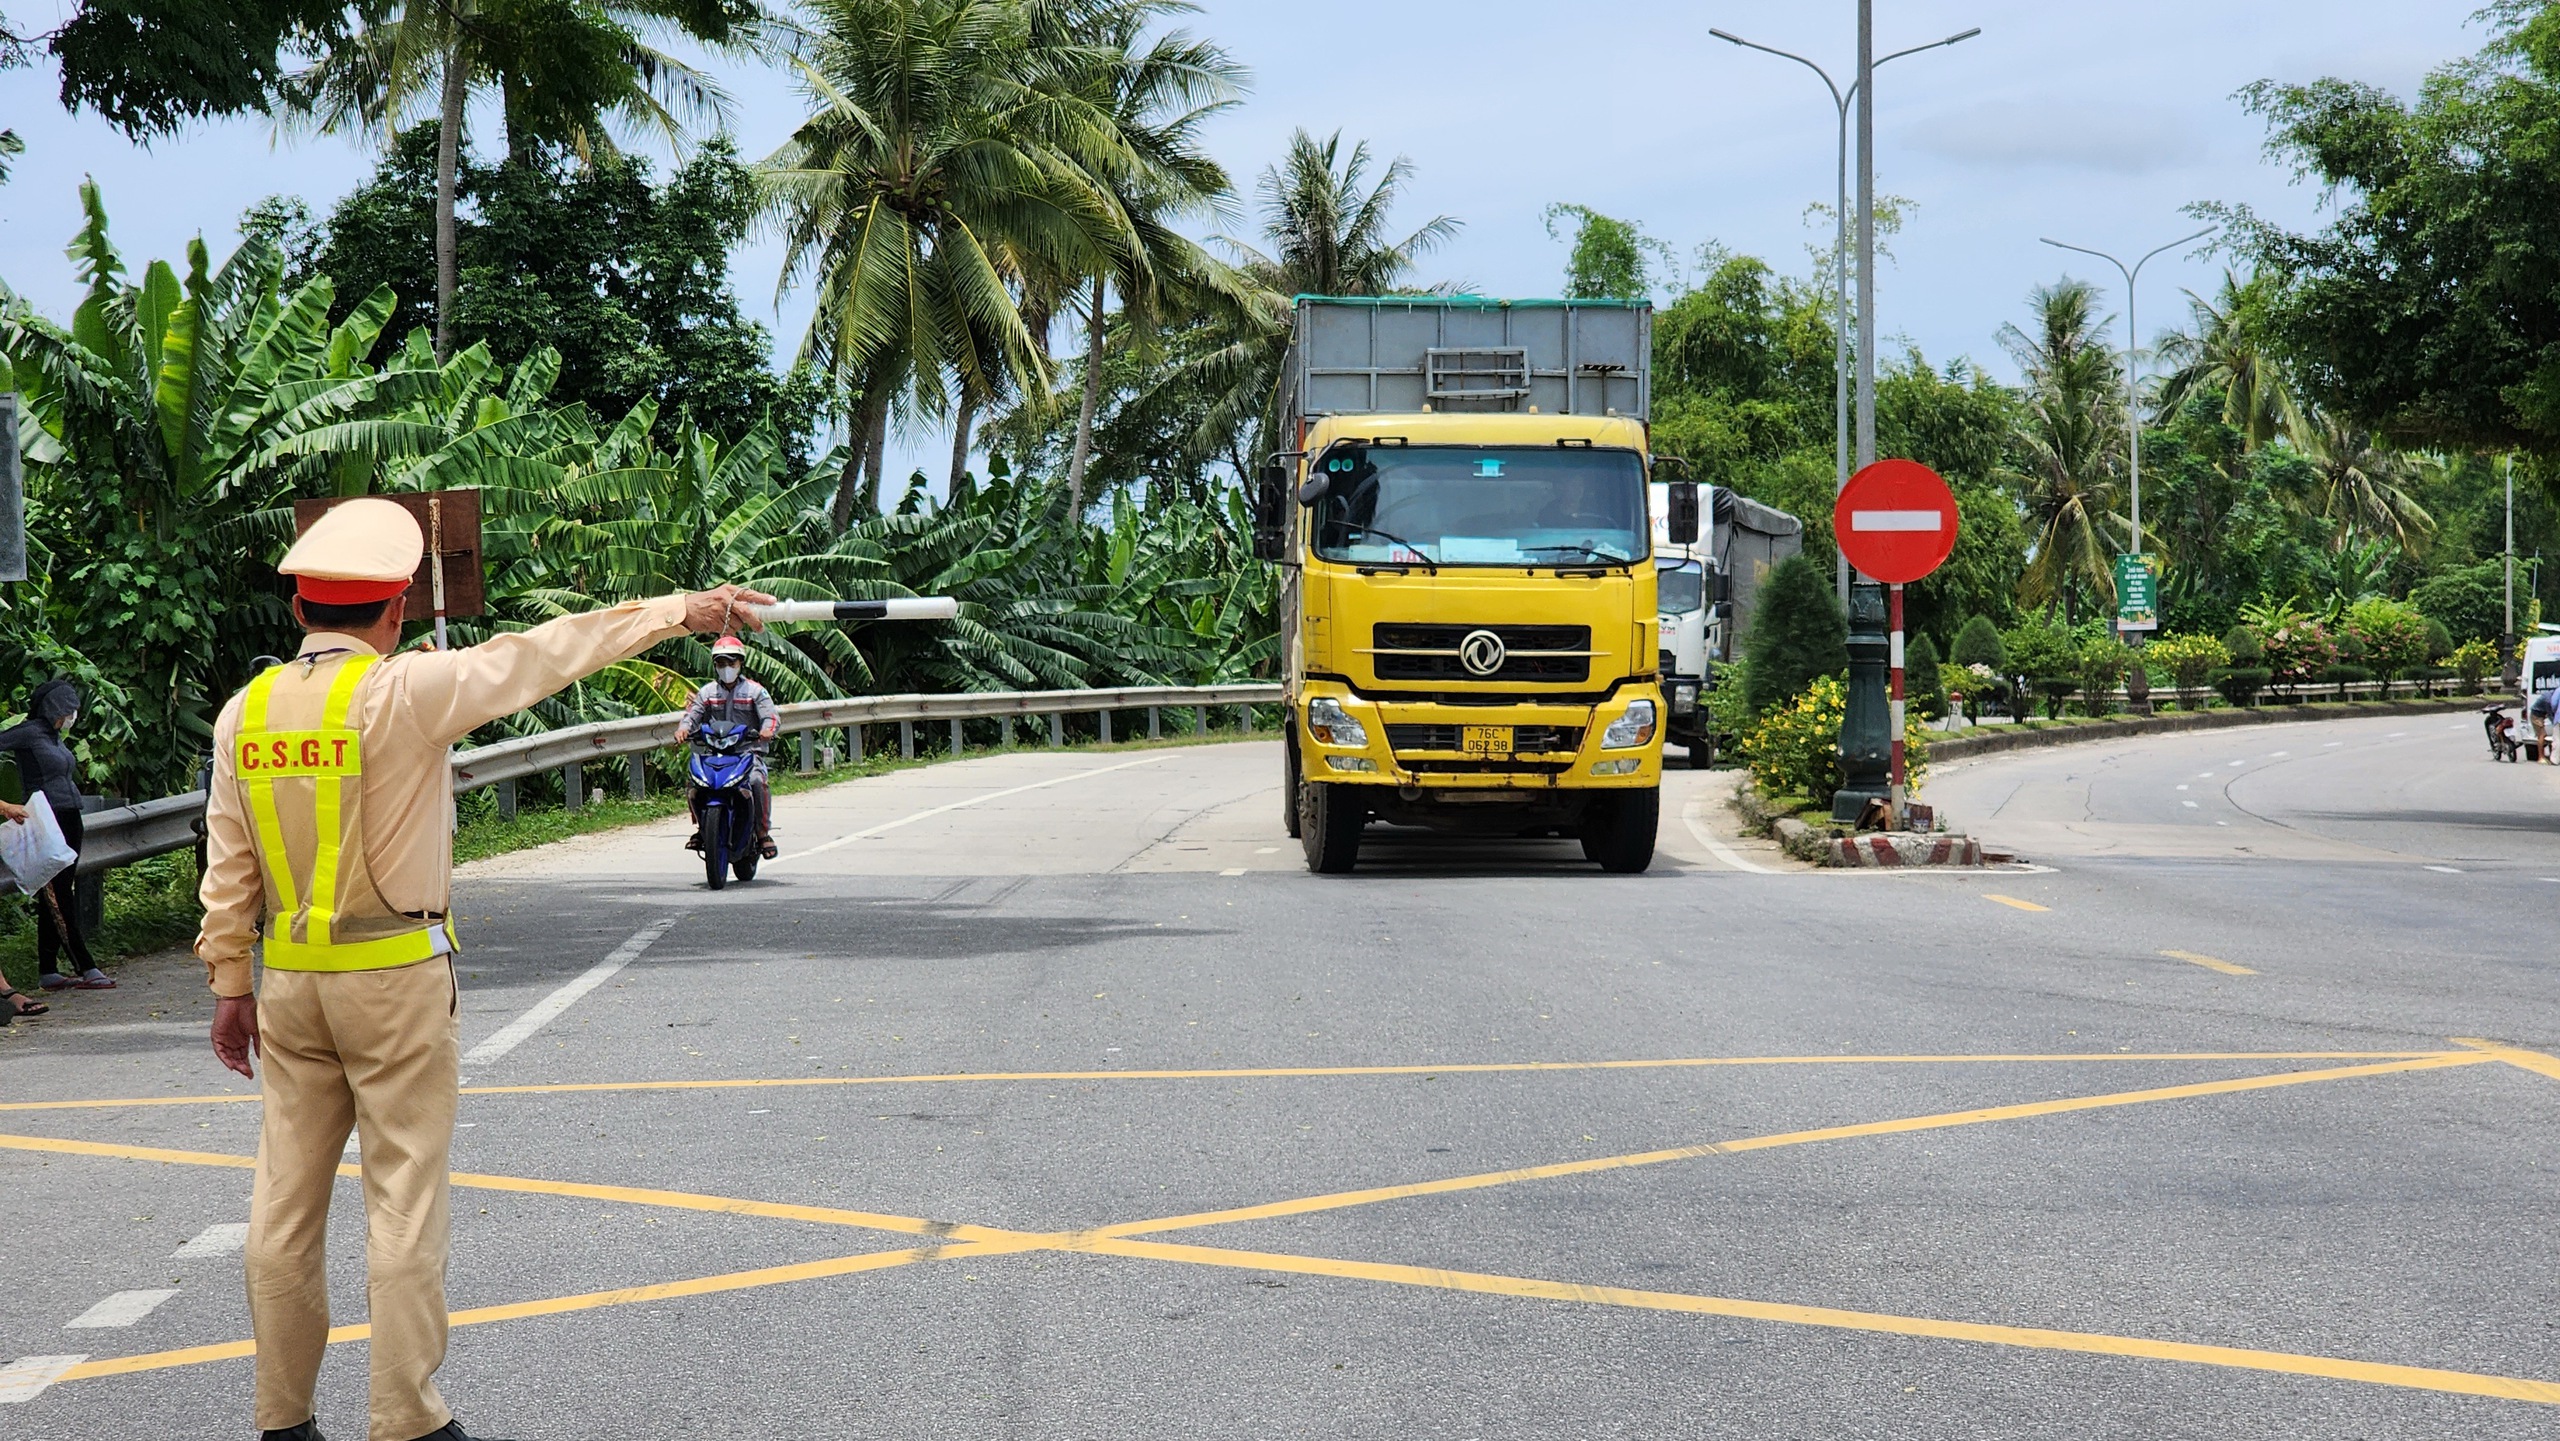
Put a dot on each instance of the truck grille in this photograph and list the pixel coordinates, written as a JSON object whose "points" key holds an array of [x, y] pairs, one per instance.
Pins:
{"points": [[1413, 651], [1525, 740]]}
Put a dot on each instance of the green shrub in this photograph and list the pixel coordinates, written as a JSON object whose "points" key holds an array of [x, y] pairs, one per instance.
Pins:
{"points": [[2439, 640], [2473, 660], [1977, 686], [2344, 675], [2470, 602], [1924, 692], [2243, 646], [2189, 661], [1797, 634], [2055, 689], [2102, 663], [1728, 700], [2240, 685], [1978, 643]]}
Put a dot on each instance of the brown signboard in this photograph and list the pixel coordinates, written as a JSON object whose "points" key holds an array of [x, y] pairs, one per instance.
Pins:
{"points": [[450, 519]]}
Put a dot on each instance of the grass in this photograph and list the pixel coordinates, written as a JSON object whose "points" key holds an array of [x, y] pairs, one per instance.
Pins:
{"points": [[151, 905]]}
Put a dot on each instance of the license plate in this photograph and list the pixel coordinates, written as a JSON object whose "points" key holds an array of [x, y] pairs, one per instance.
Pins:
{"points": [[1485, 740]]}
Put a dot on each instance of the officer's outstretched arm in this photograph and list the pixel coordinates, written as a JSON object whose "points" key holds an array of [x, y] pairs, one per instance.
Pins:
{"points": [[453, 693]]}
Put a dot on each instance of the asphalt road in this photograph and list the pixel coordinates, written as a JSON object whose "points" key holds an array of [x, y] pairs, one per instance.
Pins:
{"points": [[1046, 1095]]}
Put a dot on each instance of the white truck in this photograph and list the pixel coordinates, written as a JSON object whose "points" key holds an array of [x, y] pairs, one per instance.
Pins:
{"points": [[1706, 593]]}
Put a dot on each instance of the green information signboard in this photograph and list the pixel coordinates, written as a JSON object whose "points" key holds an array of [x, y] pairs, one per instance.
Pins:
{"points": [[2137, 592]]}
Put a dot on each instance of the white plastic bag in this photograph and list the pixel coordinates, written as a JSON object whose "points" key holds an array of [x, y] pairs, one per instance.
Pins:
{"points": [[33, 849]]}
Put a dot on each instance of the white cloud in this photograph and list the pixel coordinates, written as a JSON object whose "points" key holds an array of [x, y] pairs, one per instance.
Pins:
{"points": [[2072, 134]]}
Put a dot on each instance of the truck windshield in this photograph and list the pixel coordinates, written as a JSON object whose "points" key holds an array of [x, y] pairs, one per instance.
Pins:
{"points": [[1683, 587], [1481, 505]]}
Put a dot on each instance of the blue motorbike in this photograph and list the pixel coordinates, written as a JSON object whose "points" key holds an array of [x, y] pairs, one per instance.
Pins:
{"points": [[723, 767]]}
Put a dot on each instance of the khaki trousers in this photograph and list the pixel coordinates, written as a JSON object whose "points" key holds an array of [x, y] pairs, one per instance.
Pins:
{"points": [[378, 1051]]}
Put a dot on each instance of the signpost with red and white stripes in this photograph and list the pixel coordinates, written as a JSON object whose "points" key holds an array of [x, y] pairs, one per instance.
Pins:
{"points": [[1896, 522]]}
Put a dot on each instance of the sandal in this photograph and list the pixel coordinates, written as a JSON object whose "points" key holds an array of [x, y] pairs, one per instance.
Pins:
{"points": [[94, 979], [19, 1003], [767, 849], [54, 981]]}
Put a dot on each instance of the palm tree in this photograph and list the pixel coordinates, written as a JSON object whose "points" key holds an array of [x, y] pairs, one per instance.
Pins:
{"points": [[1328, 236], [945, 155], [562, 69], [2070, 433], [2362, 485], [2226, 350], [1158, 94]]}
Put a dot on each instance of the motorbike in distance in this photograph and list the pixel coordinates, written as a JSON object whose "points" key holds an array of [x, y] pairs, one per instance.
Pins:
{"points": [[723, 766]]}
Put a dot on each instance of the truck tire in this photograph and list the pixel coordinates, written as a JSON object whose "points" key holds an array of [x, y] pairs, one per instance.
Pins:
{"points": [[1618, 829], [1330, 817], [1289, 782]]}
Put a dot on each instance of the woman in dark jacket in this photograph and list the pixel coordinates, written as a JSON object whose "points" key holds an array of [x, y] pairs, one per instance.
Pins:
{"points": [[47, 765]]}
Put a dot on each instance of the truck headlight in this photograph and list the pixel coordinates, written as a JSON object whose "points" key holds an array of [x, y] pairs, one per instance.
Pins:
{"points": [[1331, 725], [1635, 728]]}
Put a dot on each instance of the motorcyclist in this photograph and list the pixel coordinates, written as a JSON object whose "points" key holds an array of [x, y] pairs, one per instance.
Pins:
{"points": [[730, 698]]}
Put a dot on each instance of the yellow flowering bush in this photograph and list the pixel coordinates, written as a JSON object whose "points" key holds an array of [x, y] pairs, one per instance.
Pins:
{"points": [[1795, 749]]}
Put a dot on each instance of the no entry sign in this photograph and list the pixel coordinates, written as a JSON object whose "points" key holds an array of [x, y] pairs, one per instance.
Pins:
{"points": [[1896, 521]]}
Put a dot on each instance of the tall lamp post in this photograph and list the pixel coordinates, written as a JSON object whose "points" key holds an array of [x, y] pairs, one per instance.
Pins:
{"points": [[2132, 361], [1841, 101]]}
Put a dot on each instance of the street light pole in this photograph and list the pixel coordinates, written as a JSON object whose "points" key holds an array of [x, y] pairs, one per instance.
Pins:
{"points": [[2507, 660], [2132, 362], [1840, 102]]}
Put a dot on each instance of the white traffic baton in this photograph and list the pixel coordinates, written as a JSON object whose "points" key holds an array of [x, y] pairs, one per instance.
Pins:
{"points": [[923, 607]]}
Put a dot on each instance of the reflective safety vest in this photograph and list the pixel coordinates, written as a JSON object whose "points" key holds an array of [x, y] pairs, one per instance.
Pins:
{"points": [[301, 769]]}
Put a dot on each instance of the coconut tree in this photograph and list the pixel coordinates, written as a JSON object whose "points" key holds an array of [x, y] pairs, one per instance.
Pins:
{"points": [[2069, 436], [2362, 485], [567, 72], [1328, 233], [944, 151], [2225, 350]]}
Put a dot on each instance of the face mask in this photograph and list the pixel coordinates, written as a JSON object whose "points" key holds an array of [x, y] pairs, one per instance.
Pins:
{"points": [[726, 673]]}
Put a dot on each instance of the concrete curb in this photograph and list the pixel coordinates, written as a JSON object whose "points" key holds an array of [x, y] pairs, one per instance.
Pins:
{"points": [[1887, 849], [2114, 728]]}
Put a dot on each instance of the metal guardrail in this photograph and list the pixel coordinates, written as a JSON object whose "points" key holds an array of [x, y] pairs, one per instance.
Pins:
{"points": [[125, 834]]}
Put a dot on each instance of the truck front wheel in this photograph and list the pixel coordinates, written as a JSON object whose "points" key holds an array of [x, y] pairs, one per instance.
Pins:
{"points": [[1618, 829], [1330, 817]]}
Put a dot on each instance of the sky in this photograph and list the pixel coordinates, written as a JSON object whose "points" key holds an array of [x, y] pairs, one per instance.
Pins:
{"points": [[2088, 123]]}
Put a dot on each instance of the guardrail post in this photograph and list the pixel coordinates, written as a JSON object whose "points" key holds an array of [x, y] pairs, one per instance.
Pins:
{"points": [[906, 740], [1204, 718], [1004, 731], [959, 739], [639, 775], [1102, 725], [1057, 729], [853, 743], [573, 782], [507, 801], [808, 752], [1155, 723]]}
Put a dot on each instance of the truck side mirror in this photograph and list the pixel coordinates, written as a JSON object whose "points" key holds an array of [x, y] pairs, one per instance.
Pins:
{"points": [[1318, 486], [1719, 586], [1684, 512], [1270, 518]]}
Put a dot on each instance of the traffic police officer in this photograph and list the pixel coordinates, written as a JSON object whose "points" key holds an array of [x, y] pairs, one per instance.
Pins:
{"points": [[329, 821]]}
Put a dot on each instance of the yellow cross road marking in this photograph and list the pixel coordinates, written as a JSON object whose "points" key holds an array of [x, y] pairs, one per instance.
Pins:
{"points": [[2371, 1372], [2210, 963], [1477, 1068], [1306, 1204], [2013, 901], [975, 1241], [2534, 1061]]}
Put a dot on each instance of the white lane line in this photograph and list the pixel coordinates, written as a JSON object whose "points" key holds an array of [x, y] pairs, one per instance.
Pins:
{"points": [[219, 1239], [2190, 805], [25, 1378], [2331, 745], [1232, 871], [1266, 850], [514, 1032], [1717, 848], [2182, 787], [2395, 735], [121, 1309], [2273, 755], [2208, 775], [2445, 870], [869, 831]]}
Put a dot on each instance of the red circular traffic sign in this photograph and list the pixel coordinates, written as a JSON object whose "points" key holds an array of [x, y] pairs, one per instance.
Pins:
{"points": [[1895, 521]]}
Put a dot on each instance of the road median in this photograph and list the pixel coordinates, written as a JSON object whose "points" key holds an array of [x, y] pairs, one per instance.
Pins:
{"points": [[2101, 728]]}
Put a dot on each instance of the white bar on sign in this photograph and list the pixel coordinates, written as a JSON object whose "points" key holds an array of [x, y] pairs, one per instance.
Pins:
{"points": [[25, 1378], [219, 1239], [121, 1309], [1928, 520]]}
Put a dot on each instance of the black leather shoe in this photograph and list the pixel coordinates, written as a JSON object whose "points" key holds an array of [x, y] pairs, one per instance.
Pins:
{"points": [[307, 1431], [452, 1431]]}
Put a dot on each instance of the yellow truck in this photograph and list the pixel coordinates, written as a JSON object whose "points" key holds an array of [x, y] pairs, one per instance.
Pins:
{"points": [[1468, 594]]}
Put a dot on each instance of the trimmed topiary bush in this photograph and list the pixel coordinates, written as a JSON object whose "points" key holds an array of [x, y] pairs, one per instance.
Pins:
{"points": [[1797, 634], [1924, 690]]}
